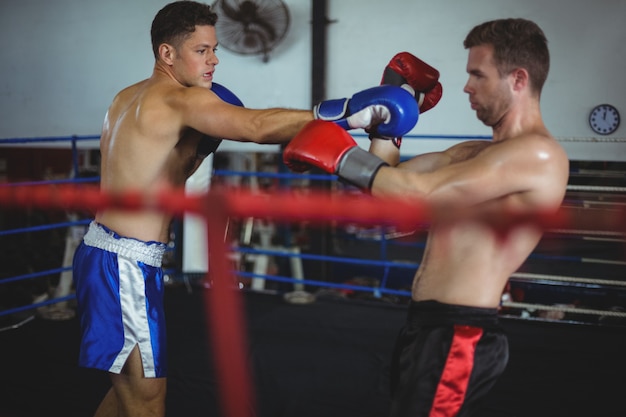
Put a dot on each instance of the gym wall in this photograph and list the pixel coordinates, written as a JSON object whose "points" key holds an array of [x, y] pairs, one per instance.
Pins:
{"points": [[63, 61]]}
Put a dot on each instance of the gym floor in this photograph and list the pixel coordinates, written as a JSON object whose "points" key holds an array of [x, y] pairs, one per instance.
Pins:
{"points": [[329, 358]]}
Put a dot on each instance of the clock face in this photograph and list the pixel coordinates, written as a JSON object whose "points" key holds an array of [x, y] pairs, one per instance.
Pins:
{"points": [[604, 119]]}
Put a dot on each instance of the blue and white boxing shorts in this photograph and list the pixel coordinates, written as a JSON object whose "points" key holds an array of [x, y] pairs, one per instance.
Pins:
{"points": [[119, 290]]}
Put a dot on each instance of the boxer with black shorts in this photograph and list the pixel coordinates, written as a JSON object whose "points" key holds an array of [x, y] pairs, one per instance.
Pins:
{"points": [[451, 351]]}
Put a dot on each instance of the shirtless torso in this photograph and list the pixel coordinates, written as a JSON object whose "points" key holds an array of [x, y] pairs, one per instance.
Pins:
{"points": [[468, 261], [451, 350], [151, 130], [522, 170], [149, 144], [140, 153]]}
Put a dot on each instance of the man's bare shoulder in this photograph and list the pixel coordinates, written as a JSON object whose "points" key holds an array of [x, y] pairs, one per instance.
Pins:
{"points": [[127, 93], [532, 148], [142, 110], [178, 98], [155, 88], [540, 154], [154, 98], [540, 144], [133, 95], [466, 150]]}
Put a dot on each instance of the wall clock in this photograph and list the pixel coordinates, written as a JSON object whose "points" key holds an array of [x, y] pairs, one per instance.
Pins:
{"points": [[604, 119]]}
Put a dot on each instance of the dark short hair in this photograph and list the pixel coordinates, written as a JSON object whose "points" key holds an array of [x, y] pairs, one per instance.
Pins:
{"points": [[174, 22], [517, 43]]}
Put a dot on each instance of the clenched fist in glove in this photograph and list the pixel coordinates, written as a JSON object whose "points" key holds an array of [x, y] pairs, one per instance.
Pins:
{"points": [[387, 110], [327, 146], [406, 68]]}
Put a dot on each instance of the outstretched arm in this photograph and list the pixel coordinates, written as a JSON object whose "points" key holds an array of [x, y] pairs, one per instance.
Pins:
{"points": [[477, 172], [204, 111], [388, 110]]}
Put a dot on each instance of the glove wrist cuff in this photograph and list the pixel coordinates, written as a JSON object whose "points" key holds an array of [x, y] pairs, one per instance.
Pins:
{"points": [[331, 110], [359, 167], [397, 142]]}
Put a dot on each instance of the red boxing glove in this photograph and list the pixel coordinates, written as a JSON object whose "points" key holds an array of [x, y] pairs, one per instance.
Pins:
{"points": [[327, 146], [430, 99], [406, 68], [319, 144]]}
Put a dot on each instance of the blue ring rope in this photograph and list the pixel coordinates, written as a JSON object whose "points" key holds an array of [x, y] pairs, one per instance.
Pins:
{"points": [[336, 259], [354, 134], [43, 227], [34, 275], [386, 264], [317, 283], [37, 305], [45, 182], [49, 139], [321, 177]]}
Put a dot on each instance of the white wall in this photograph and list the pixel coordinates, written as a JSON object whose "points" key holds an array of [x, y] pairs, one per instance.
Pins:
{"points": [[64, 60], [586, 41]]}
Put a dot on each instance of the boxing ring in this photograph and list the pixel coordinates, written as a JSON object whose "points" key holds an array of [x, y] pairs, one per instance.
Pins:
{"points": [[590, 213]]}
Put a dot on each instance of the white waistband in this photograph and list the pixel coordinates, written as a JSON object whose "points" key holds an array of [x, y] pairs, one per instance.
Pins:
{"points": [[148, 253]]}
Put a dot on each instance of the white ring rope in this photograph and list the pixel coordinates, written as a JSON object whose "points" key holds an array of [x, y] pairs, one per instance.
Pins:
{"points": [[600, 261], [596, 188], [589, 203], [600, 239], [586, 232], [531, 276], [565, 309], [591, 139], [595, 173]]}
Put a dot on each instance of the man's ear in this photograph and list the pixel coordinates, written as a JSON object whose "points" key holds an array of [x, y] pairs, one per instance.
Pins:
{"points": [[520, 79], [167, 53]]}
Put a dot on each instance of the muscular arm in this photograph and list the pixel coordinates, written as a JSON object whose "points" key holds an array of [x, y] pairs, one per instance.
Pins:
{"points": [[427, 162], [203, 111], [385, 150], [476, 173]]}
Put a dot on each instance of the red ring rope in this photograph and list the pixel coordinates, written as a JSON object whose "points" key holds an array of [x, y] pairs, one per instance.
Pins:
{"points": [[224, 306], [320, 207]]}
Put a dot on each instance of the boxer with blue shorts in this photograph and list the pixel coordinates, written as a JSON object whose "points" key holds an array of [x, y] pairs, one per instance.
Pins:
{"points": [[155, 135], [119, 289]]}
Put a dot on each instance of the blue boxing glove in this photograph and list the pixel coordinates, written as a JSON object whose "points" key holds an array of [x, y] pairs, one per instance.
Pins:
{"points": [[209, 144], [385, 110]]}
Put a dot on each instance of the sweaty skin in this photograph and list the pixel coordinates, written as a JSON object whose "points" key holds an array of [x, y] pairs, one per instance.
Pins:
{"points": [[149, 143], [152, 129], [522, 170]]}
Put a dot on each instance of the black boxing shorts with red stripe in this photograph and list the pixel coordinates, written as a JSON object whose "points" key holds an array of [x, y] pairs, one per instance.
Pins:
{"points": [[446, 358]]}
